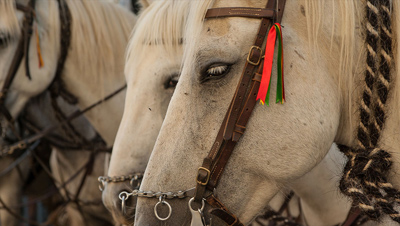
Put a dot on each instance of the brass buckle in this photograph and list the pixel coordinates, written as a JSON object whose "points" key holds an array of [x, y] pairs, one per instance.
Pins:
{"points": [[208, 176], [259, 59]]}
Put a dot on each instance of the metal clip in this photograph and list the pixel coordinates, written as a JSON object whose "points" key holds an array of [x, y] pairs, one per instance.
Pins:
{"points": [[197, 215]]}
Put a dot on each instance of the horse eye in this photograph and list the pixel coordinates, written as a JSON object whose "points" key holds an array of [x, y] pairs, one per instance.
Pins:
{"points": [[4, 39], [171, 82], [215, 71]]}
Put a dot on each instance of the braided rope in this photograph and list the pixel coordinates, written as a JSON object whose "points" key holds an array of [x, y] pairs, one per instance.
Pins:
{"points": [[364, 178], [372, 40]]}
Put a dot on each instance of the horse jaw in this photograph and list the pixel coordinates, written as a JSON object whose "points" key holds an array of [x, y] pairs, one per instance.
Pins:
{"points": [[146, 104]]}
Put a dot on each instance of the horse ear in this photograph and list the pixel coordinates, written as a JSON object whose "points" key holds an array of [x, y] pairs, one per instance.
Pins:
{"points": [[139, 5]]}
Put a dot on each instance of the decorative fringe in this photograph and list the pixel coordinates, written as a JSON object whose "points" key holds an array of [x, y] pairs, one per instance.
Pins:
{"points": [[263, 93], [39, 52]]}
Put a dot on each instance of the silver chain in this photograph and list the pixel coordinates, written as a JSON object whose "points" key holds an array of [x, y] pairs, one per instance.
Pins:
{"points": [[123, 196], [150, 194], [117, 179], [135, 180]]}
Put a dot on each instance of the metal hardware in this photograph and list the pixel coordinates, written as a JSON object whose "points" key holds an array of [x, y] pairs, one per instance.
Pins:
{"points": [[132, 177], [197, 215], [123, 198], [162, 201], [259, 58], [208, 176]]}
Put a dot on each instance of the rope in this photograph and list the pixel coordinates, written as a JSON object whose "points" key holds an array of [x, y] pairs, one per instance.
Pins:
{"points": [[364, 178]]}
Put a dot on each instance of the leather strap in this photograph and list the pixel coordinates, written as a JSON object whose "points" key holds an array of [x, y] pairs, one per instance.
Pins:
{"points": [[239, 111], [222, 148], [45, 132], [57, 87], [240, 12], [222, 212], [22, 49], [353, 217]]}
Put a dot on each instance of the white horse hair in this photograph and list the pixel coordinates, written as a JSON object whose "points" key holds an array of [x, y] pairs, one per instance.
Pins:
{"points": [[150, 86], [130, 155], [323, 52], [100, 32]]}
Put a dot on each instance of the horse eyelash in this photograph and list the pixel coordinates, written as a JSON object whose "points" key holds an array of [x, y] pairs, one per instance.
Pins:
{"points": [[217, 70], [5, 38]]}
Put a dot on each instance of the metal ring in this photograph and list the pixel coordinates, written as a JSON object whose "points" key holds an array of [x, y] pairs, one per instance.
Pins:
{"points": [[123, 196], [202, 204], [101, 185], [162, 201], [120, 196], [123, 205], [133, 180]]}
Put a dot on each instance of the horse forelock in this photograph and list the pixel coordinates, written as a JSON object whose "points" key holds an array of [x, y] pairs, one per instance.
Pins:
{"points": [[161, 24], [9, 26]]}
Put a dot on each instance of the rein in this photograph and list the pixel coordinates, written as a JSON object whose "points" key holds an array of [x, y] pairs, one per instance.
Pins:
{"points": [[71, 117], [23, 50], [56, 89]]}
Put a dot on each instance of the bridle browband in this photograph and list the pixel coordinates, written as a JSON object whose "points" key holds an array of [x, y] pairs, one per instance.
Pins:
{"points": [[240, 109]]}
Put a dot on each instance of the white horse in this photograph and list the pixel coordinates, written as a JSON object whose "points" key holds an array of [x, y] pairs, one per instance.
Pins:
{"points": [[282, 142], [68, 165], [150, 86], [92, 69], [321, 205]]}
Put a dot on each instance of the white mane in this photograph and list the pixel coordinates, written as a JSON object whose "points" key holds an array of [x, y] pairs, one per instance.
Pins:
{"points": [[98, 44], [9, 18], [346, 25], [170, 18]]}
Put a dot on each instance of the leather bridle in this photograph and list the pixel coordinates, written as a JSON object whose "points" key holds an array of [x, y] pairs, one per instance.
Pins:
{"points": [[22, 49], [56, 88], [233, 125], [240, 109]]}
